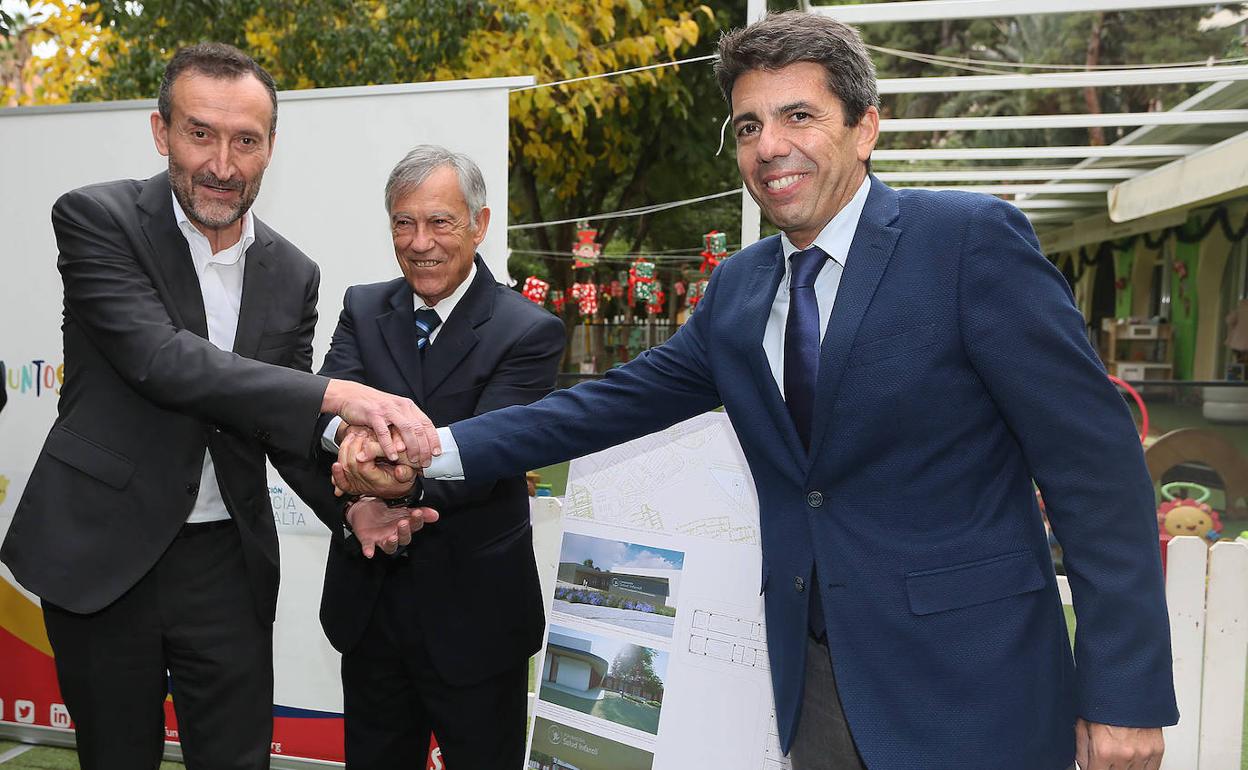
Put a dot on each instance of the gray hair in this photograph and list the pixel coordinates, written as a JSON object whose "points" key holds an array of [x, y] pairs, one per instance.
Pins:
{"points": [[781, 39], [422, 161]]}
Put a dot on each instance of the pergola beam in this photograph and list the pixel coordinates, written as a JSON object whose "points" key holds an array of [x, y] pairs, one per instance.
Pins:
{"points": [[939, 10], [1058, 203], [1096, 78], [1005, 174], [1033, 153], [1104, 120], [1051, 216], [1071, 188], [1213, 173]]}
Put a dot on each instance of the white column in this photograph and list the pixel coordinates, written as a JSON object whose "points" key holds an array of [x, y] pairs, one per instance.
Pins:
{"points": [[751, 216]]}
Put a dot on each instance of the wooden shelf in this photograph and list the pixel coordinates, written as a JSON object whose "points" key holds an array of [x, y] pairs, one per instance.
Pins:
{"points": [[1137, 350]]}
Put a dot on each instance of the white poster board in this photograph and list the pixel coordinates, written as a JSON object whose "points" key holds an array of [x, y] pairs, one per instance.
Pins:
{"points": [[656, 656]]}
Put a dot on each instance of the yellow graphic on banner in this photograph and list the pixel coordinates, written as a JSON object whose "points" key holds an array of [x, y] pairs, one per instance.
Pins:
{"points": [[4, 488], [23, 618]]}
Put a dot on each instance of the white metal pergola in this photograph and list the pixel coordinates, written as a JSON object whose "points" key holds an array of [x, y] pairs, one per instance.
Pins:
{"points": [[1073, 194]]}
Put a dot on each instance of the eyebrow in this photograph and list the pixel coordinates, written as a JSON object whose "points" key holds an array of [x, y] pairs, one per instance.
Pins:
{"points": [[790, 107], [197, 123], [429, 215]]}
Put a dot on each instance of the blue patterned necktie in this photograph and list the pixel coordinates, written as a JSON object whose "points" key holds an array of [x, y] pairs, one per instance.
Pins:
{"points": [[426, 321], [801, 340]]}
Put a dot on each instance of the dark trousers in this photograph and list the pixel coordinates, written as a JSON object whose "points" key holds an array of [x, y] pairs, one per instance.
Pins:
{"points": [[393, 698], [823, 741], [193, 618]]}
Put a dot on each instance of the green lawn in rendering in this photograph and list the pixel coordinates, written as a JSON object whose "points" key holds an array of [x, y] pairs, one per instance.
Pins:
{"points": [[613, 707]]}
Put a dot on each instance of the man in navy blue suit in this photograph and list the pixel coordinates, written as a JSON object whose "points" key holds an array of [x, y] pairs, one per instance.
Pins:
{"points": [[899, 366], [419, 651]]}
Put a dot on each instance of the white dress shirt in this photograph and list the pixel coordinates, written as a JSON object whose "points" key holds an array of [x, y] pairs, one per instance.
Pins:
{"points": [[834, 239], [444, 308], [221, 284]]}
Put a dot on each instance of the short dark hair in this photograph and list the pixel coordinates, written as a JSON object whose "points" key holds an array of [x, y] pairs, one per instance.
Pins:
{"points": [[216, 60], [781, 39]]}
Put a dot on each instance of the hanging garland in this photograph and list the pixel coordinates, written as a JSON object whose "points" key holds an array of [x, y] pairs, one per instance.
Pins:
{"points": [[1154, 241]]}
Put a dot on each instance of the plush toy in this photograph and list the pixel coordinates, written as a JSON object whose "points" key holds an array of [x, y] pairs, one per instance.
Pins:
{"points": [[1188, 517]]}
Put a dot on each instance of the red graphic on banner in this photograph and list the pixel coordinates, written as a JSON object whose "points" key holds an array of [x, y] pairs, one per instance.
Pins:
{"points": [[29, 696]]}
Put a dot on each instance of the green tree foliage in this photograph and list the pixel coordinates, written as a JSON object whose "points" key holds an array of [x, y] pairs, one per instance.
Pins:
{"points": [[576, 149], [1087, 39], [633, 667], [303, 43], [615, 142]]}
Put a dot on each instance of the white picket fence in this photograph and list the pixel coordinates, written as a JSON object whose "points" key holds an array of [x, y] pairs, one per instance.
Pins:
{"points": [[1207, 594]]}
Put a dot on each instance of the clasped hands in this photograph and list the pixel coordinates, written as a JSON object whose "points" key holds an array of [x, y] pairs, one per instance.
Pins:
{"points": [[363, 470]]}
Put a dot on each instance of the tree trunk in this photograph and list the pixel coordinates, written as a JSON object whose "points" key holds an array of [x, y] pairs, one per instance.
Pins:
{"points": [[1091, 97]]}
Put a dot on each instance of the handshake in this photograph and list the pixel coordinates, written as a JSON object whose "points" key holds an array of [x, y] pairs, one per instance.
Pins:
{"points": [[383, 443]]}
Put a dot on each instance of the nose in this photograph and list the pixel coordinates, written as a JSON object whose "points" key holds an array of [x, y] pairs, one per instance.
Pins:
{"points": [[772, 143], [420, 238], [222, 162]]}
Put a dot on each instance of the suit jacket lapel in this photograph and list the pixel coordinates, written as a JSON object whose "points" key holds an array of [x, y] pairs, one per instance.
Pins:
{"points": [[172, 256], [258, 278], [398, 330], [869, 254], [754, 314], [458, 335]]}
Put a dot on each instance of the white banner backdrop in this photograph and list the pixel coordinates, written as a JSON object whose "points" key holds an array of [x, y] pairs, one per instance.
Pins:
{"points": [[323, 191]]}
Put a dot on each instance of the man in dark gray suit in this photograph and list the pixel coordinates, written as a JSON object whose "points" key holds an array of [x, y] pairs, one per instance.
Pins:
{"points": [[146, 527]]}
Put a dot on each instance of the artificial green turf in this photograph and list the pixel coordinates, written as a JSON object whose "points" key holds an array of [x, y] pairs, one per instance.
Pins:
{"points": [[48, 758], [556, 476]]}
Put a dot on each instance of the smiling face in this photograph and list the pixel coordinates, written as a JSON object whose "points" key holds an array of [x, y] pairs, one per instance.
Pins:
{"points": [[1188, 520], [435, 236], [798, 159], [219, 142]]}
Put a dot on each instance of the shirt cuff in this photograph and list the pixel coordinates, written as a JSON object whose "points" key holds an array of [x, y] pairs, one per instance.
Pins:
{"points": [[447, 466], [329, 439]]}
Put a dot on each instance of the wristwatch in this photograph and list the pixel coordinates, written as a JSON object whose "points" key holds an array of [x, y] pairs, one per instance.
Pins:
{"points": [[410, 500]]}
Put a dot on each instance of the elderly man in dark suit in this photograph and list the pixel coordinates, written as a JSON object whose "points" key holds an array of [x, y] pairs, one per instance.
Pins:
{"points": [[899, 366], [145, 526], [438, 637]]}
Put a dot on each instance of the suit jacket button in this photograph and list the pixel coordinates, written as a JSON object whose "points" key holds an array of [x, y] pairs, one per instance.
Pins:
{"points": [[814, 499], [192, 489], [799, 584]]}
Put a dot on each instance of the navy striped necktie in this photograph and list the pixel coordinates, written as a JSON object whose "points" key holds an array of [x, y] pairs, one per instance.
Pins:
{"points": [[801, 340], [427, 320]]}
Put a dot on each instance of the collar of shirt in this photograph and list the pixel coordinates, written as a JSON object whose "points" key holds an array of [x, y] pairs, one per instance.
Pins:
{"points": [[837, 235], [447, 305], [201, 249]]}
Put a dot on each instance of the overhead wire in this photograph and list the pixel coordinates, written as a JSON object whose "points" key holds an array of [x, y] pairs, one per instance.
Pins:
{"points": [[983, 66], [625, 213]]}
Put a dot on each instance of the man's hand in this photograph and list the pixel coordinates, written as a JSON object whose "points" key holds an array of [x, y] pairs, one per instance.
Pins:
{"points": [[361, 471], [1109, 747], [377, 526], [361, 405]]}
